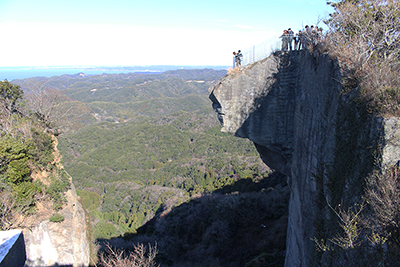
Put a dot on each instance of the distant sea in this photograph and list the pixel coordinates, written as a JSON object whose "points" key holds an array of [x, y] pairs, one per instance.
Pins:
{"points": [[12, 73]]}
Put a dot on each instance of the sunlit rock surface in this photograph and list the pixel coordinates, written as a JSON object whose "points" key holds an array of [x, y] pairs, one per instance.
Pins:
{"points": [[57, 244], [286, 104], [291, 105]]}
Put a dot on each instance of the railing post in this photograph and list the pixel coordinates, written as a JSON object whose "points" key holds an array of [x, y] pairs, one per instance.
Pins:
{"points": [[254, 53], [262, 50]]}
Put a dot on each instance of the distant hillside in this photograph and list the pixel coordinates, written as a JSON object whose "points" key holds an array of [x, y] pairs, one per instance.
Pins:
{"points": [[140, 145], [17, 73], [133, 85], [145, 132], [80, 100]]}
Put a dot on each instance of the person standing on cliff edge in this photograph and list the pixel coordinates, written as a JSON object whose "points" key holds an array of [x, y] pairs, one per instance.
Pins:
{"points": [[239, 58], [285, 41], [234, 59], [290, 38]]}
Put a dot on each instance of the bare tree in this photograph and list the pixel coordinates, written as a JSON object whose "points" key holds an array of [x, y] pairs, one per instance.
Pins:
{"points": [[7, 208], [383, 195], [45, 103], [10, 123], [349, 221], [365, 36], [139, 257], [55, 109]]}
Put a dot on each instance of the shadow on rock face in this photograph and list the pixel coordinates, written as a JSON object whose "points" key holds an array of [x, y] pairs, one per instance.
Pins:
{"points": [[258, 103]]}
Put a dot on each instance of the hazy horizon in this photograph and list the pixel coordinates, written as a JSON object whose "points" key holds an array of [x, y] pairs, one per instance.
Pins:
{"points": [[23, 72], [107, 66], [153, 32]]}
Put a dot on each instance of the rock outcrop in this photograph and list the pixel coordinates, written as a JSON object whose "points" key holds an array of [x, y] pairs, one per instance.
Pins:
{"points": [[291, 106], [12, 248], [63, 243], [57, 243]]}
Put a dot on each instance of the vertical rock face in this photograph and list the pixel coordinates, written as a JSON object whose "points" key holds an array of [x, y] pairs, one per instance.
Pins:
{"points": [[65, 243], [327, 143], [287, 105]]}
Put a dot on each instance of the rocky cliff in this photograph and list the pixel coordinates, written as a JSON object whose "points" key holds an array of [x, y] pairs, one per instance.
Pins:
{"points": [[57, 243], [64, 243], [292, 107]]}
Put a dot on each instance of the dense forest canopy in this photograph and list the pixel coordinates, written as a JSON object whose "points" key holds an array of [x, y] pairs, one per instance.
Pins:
{"points": [[135, 143], [140, 145]]}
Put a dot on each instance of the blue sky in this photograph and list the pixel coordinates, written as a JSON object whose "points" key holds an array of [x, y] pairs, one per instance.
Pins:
{"points": [[146, 32]]}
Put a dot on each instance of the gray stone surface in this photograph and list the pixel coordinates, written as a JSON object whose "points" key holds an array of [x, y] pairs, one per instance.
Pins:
{"points": [[65, 243], [391, 150], [12, 248], [292, 107], [286, 104]]}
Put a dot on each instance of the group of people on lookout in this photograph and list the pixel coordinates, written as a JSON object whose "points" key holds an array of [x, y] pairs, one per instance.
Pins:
{"points": [[302, 39], [291, 41]]}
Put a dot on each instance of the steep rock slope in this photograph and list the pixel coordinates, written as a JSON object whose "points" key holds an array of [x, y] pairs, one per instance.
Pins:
{"points": [[57, 243], [291, 106], [48, 243]]}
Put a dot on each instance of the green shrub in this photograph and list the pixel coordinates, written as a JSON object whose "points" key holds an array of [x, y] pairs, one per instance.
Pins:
{"points": [[43, 153], [10, 94], [104, 230], [18, 171], [59, 184], [14, 155], [24, 193], [90, 200], [56, 218]]}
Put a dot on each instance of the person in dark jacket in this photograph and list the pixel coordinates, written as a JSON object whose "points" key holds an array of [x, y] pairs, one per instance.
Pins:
{"points": [[239, 58], [285, 40], [291, 37], [300, 41]]}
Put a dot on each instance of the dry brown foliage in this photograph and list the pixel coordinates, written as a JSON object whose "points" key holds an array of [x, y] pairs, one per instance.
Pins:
{"points": [[7, 203], [383, 195], [365, 37], [234, 71], [349, 220], [45, 103], [11, 124], [139, 257]]}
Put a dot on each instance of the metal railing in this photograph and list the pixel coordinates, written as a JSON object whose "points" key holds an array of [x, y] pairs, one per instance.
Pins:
{"points": [[261, 50]]}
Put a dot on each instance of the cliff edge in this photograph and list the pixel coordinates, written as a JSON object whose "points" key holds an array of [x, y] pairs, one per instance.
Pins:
{"points": [[62, 243], [292, 107], [49, 243]]}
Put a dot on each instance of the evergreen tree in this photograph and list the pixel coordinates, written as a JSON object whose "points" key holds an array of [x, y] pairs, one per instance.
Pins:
{"points": [[10, 94]]}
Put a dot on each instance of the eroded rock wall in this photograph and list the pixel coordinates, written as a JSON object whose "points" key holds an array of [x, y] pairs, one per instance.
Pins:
{"points": [[327, 142], [65, 243], [287, 105]]}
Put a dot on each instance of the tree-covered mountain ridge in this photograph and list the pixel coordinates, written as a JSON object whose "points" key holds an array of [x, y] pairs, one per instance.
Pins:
{"points": [[125, 87], [139, 145], [82, 99]]}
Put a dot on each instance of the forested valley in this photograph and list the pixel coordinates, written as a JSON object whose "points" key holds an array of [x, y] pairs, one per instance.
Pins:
{"points": [[151, 165]]}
